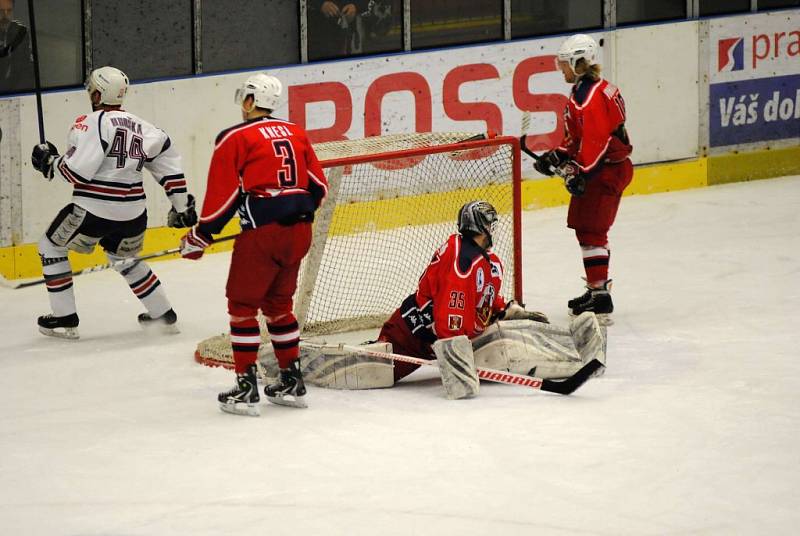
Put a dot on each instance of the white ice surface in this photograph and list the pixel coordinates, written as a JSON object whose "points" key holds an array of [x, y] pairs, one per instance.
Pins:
{"points": [[692, 430]]}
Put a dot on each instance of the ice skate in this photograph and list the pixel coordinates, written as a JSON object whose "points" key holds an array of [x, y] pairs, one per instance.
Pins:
{"points": [[289, 390], [63, 327], [243, 398], [580, 300], [599, 302], [166, 323]]}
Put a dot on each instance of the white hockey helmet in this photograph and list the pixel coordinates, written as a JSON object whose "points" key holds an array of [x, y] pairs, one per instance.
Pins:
{"points": [[265, 89], [110, 82], [576, 47]]}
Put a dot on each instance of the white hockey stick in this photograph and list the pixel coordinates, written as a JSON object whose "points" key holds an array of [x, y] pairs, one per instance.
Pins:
{"points": [[99, 268], [563, 387]]}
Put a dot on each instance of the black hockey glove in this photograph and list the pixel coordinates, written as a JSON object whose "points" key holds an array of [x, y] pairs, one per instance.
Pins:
{"points": [[574, 180], [43, 157], [181, 220], [547, 162]]}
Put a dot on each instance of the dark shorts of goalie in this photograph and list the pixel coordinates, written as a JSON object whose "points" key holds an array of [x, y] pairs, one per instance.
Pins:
{"points": [[395, 330], [77, 221], [593, 213]]}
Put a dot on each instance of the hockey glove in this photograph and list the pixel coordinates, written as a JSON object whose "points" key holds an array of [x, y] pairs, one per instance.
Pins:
{"points": [[181, 220], [194, 244], [515, 311], [43, 157], [547, 162], [574, 180]]}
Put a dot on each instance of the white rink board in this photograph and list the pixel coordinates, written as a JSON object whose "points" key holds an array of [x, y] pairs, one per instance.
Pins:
{"points": [[193, 110]]}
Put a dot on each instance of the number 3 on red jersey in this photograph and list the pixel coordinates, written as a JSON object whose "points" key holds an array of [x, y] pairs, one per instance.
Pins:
{"points": [[287, 174]]}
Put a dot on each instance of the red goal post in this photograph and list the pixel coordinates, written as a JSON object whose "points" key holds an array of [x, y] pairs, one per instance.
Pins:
{"points": [[392, 201]]}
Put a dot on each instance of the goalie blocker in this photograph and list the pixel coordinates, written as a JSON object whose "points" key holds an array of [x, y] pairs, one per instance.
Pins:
{"points": [[521, 347]]}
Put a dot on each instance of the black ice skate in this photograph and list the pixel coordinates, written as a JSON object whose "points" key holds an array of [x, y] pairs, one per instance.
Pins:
{"points": [[165, 323], [289, 390], [243, 398], [64, 327], [598, 302], [580, 300]]}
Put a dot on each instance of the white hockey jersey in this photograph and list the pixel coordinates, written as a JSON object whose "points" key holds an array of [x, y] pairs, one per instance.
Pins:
{"points": [[106, 153]]}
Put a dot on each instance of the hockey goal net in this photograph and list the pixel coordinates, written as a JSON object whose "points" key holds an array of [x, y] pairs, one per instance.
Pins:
{"points": [[392, 201]]}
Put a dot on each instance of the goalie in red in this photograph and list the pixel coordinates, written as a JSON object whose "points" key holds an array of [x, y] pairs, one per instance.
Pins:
{"points": [[458, 294], [458, 317], [266, 170], [594, 161]]}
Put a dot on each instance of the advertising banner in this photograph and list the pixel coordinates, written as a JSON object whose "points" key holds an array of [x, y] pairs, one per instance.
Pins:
{"points": [[754, 79]]}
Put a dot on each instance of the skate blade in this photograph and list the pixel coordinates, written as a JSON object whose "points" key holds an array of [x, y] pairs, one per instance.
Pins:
{"points": [[68, 333], [289, 401], [240, 408]]}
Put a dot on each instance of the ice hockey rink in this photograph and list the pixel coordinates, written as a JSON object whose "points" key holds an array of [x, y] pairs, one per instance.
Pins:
{"points": [[693, 429]]}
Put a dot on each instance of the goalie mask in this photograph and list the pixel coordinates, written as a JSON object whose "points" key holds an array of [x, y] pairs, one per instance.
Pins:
{"points": [[110, 82], [477, 217], [265, 89]]}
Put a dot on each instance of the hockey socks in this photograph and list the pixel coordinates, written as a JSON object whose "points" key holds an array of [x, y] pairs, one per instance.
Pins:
{"points": [[595, 263], [285, 336], [245, 340]]}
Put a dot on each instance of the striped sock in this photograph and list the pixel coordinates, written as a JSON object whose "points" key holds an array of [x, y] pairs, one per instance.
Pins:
{"points": [[58, 279], [146, 286], [245, 340], [285, 337], [595, 264]]}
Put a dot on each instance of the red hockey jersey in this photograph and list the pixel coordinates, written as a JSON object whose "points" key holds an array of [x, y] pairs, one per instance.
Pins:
{"points": [[265, 169], [595, 125], [458, 294]]}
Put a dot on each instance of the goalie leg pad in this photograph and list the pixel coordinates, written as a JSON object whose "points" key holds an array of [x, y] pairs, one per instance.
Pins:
{"points": [[532, 348], [590, 338], [457, 366], [333, 367]]}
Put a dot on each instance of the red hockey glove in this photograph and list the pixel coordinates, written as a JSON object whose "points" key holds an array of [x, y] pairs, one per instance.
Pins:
{"points": [[194, 244], [574, 180]]}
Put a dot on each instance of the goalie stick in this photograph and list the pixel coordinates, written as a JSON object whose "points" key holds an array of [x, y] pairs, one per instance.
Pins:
{"points": [[99, 268], [562, 387]]}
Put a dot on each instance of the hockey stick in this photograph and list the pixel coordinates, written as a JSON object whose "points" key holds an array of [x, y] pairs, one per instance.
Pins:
{"points": [[99, 268], [36, 77], [526, 123], [563, 387]]}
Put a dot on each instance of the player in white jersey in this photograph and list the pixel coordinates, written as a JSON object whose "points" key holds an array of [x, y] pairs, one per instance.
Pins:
{"points": [[107, 152]]}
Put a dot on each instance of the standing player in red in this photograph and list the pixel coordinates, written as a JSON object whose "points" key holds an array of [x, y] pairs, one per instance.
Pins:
{"points": [[594, 160], [458, 294], [266, 170]]}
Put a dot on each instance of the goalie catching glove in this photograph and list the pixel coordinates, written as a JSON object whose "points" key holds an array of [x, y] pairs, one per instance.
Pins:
{"points": [[43, 157], [194, 244], [187, 218], [515, 311]]}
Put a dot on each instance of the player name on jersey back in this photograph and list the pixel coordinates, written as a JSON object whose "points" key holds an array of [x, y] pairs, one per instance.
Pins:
{"points": [[275, 132], [128, 123]]}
